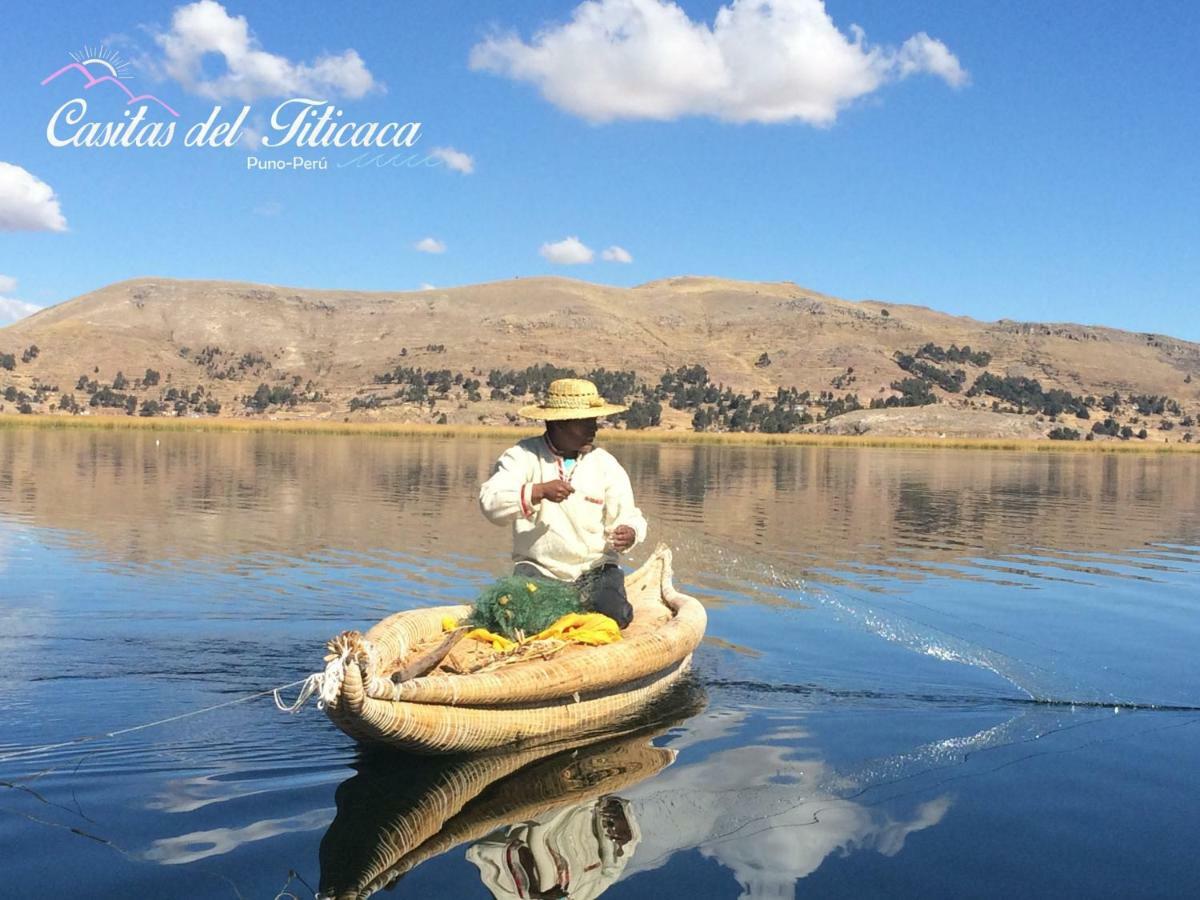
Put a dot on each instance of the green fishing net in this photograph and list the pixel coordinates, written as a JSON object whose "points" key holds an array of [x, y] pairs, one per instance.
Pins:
{"points": [[529, 605]]}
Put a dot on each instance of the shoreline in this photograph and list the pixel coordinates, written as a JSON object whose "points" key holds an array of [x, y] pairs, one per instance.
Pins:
{"points": [[649, 435]]}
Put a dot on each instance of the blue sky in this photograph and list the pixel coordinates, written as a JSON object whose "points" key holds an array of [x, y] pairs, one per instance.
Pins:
{"points": [[1005, 160]]}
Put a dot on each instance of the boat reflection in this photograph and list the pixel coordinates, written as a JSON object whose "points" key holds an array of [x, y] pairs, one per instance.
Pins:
{"points": [[548, 821], [570, 821]]}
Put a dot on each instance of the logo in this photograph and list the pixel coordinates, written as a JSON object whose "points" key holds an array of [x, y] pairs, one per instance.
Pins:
{"points": [[111, 69], [299, 123]]}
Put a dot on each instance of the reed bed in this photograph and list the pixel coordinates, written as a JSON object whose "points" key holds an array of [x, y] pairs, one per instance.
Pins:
{"points": [[650, 435]]}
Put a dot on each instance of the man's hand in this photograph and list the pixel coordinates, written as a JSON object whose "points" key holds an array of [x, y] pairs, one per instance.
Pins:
{"points": [[623, 537], [555, 491]]}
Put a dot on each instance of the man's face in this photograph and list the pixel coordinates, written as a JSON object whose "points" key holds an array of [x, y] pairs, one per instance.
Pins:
{"points": [[573, 435]]}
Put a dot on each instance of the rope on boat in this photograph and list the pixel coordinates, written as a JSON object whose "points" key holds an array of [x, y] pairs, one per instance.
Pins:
{"points": [[88, 738], [347, 646], [325, 684]]}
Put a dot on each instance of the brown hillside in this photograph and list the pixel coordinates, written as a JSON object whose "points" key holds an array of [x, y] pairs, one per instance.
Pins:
{"points": [[338, 340]]}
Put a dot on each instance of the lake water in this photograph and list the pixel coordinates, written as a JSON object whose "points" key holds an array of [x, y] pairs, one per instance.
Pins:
{"points": [[938, 673]]}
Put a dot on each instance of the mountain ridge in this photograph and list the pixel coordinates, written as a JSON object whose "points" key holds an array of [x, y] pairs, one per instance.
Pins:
{"points": [[749, 336]]}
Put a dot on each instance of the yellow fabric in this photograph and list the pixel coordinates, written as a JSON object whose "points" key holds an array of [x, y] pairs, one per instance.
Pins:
{"points": [[592, 629], [498, 641], [583, 628]]}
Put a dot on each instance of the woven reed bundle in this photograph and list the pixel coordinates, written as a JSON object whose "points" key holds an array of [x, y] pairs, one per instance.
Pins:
{"points": [[390, 821], [582, 689]]}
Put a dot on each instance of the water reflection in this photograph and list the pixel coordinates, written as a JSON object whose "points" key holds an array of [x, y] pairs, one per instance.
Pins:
{"points": [[870, 614], [571, 821], [192, 499], [546, 821]]}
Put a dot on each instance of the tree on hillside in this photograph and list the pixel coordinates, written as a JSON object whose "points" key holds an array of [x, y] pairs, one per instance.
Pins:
{"points": [[642, 414]]}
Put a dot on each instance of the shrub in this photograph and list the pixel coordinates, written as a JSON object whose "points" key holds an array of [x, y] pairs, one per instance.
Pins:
{"points": [[1063, 434], [913, 392], [954, 354], [947, 381], [642, 414], [1027, 394]]}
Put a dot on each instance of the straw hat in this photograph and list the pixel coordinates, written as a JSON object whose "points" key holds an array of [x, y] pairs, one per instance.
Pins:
{"points": [[571, 398]]}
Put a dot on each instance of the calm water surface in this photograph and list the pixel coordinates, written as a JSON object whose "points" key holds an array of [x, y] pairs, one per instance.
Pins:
{"points": [[926, 673]]}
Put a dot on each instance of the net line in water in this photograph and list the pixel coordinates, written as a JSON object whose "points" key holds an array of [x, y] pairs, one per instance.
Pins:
{"points": [[1042, 684], [90, 738], [956, 700]]}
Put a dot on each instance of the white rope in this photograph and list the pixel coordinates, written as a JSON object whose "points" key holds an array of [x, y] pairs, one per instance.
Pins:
{"points": [[326, 685], [311, 683], [87, 739]]}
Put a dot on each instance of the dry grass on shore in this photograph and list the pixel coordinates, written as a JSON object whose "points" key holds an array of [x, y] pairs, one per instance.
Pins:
{"points": [[397, 429]]}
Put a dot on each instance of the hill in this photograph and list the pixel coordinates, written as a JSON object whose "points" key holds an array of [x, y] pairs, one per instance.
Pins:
{"points": [[166, 347]]}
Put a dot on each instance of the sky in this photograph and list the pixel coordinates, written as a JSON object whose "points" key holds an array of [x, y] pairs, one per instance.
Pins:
{"points": [[1030, 161]]}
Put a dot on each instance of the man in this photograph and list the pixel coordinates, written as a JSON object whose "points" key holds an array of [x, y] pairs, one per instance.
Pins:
{"points": [[570, 504]]}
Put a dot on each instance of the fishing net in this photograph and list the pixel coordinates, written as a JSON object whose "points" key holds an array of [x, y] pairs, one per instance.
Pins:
{"points": [[519, 604]]}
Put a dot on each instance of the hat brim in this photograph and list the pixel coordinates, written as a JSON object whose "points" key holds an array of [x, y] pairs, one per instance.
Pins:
{"points": [[548, 414]]}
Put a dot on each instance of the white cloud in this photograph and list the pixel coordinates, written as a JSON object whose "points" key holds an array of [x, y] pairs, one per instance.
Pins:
{"points": [[570, 251], [616, 254], [253, 133], [921, 53], [204, 28], [430, 245], [27, 203], [268, 208], [426, 286], [759, 61], [11, 310], [454, 159]]}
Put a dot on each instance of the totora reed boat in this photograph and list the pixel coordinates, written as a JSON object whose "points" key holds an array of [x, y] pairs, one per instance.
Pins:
{"points": [[380, 688]]}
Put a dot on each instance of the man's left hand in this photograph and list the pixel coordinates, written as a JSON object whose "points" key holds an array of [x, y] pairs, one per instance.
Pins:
{"points": [[623, 537]]}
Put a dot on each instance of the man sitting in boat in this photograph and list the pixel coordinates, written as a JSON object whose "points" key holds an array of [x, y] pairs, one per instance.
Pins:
{"points": [[570, 503]]}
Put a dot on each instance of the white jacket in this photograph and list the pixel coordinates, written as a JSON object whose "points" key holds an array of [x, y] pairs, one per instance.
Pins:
{"points": [[564, 539]]}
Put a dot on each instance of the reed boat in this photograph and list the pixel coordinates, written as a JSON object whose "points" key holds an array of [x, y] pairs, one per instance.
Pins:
{"points": [[535, 695]]}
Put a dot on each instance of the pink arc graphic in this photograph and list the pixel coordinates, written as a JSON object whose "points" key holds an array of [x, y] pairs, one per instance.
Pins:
{"points": [[92, 81]]}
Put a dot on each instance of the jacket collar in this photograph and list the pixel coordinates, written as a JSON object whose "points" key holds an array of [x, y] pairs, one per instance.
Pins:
{"points": [[558, 453]]}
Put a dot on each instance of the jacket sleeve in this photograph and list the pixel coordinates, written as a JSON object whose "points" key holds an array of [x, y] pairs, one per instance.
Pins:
{"points": [[619, 508], [506, 496]]}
